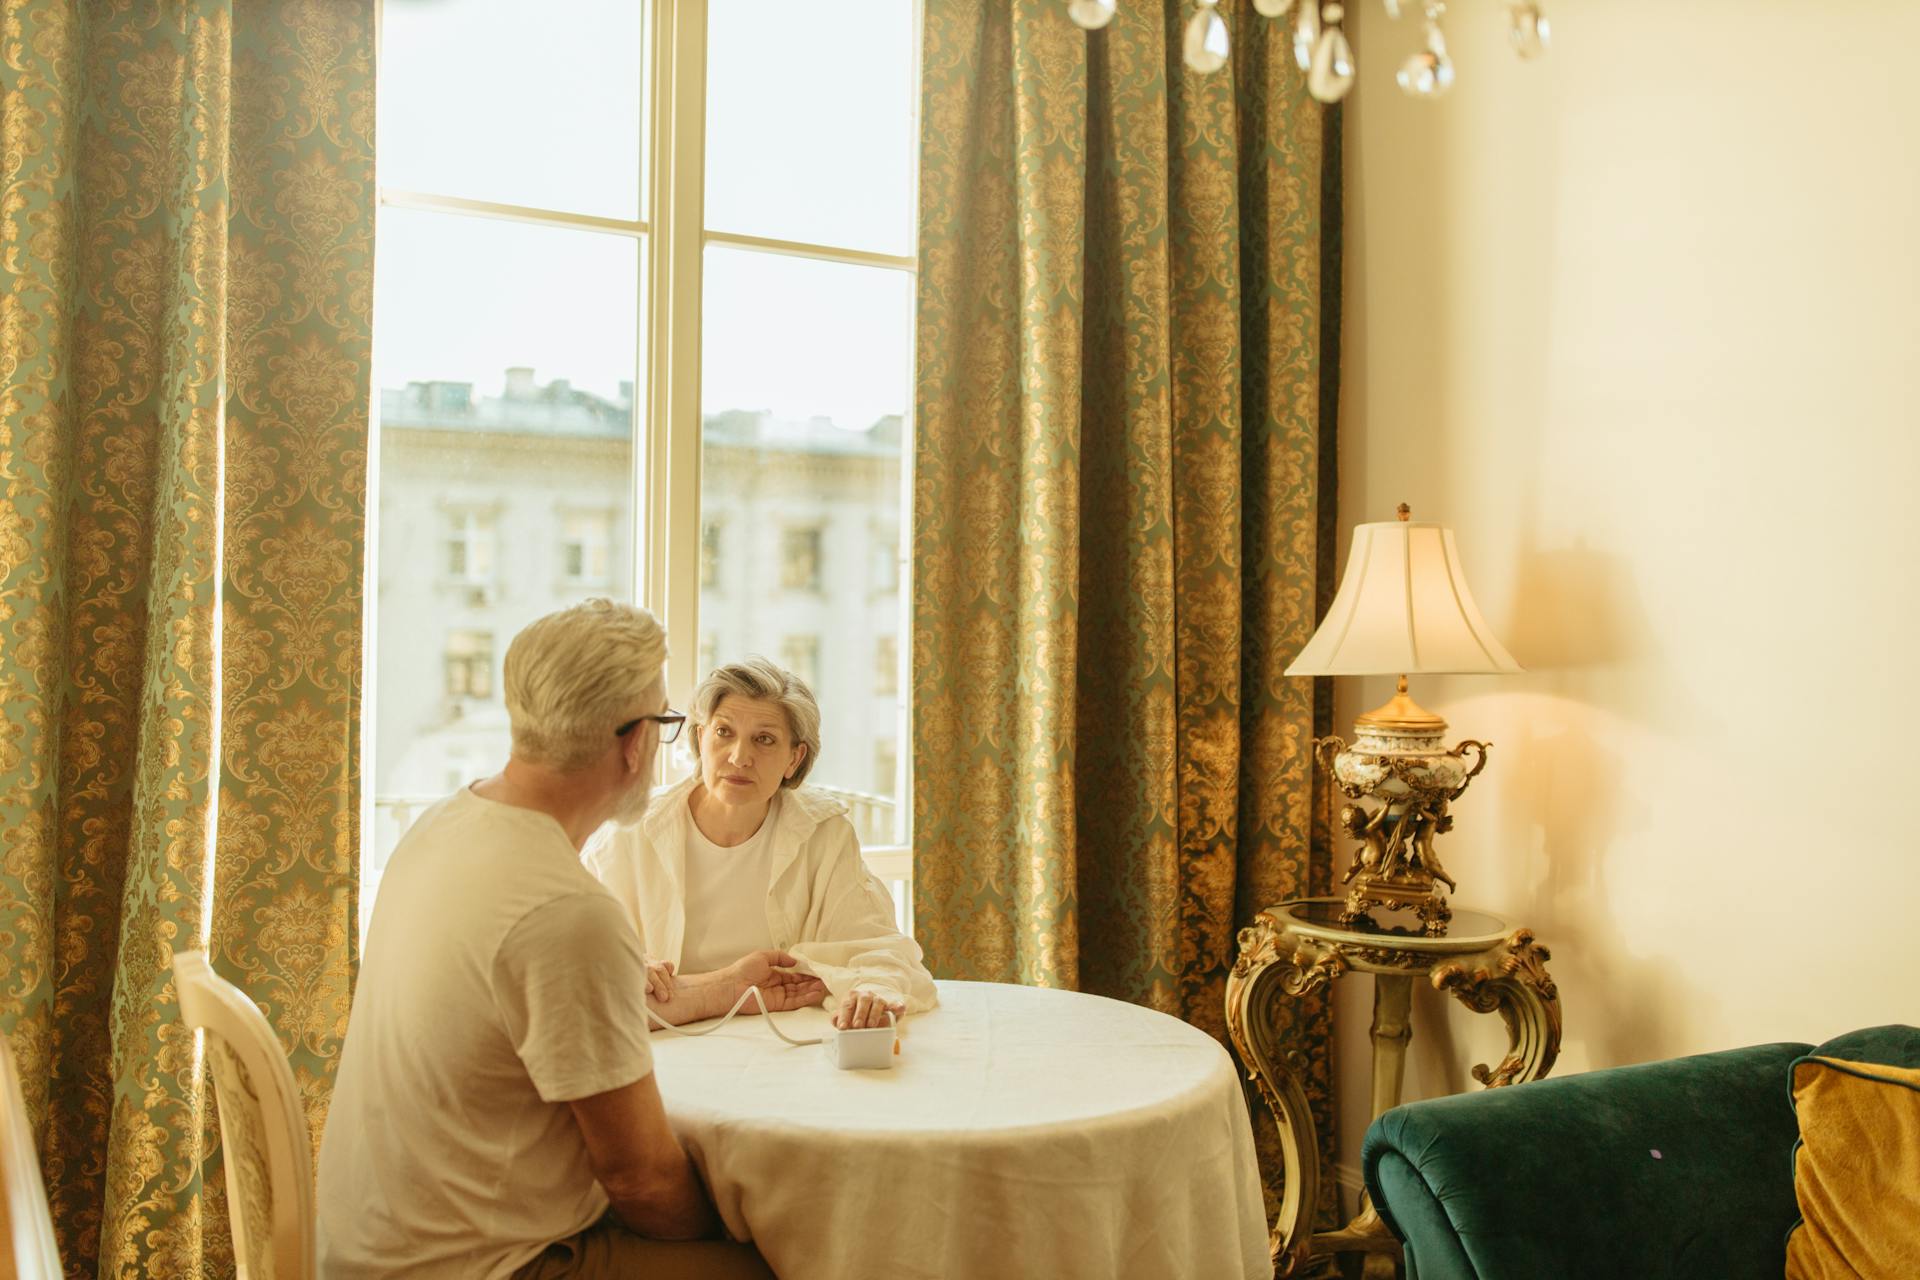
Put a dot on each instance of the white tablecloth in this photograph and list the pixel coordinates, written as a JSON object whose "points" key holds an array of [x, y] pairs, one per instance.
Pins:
{"points": [[1024, 1132]]}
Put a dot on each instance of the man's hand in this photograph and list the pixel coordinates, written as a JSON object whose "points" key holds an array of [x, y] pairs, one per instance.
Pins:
{"points": [[660, 981], [866, 1009], [781, 985]]}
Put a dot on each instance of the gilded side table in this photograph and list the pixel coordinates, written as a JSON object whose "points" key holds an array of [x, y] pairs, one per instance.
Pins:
{"points": [[1299, 947]]}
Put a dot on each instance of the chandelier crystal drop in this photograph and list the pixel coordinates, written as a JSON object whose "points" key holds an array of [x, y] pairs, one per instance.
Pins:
{"points": [[1320, 45], [1428, 73], [1092, 14], [1306, 33], [1531, 32], [1331, 75], [1205, 47]]}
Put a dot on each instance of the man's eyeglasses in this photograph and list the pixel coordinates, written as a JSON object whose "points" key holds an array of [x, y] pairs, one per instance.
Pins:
{"points": [[670, 722]]}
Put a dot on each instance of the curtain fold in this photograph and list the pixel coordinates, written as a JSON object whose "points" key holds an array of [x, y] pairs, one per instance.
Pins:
{"points": [[1123, 497], [186, 218]]}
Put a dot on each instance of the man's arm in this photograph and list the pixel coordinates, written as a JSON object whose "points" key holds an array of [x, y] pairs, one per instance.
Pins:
{"points": [[636, 1157]]}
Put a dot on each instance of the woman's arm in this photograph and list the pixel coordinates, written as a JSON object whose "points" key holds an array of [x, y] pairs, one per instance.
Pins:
{"points": [[699, 996], [850, 940]]}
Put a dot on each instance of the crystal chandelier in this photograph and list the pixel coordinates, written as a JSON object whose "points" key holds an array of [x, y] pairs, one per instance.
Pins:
{"points": [[1320, 46]]}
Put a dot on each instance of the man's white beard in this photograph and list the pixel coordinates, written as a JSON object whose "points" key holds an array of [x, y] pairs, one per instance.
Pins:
{"points": [[633, 805]]}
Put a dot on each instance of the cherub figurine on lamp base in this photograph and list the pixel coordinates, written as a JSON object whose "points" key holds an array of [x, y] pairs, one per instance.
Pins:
{"points": [[1397, 761], [1403, 607]]}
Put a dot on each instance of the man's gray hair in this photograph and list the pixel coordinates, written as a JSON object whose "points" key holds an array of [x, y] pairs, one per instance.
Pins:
{"points": [[758, 678], [575, 676]]}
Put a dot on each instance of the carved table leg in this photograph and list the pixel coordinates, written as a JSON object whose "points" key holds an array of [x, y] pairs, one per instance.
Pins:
{"points": [[1511, 980], [1392, 1029], [1261, 979]]}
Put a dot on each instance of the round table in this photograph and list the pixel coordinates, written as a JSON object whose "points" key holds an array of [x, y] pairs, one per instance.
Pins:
{"points": [[1023, 1131]]}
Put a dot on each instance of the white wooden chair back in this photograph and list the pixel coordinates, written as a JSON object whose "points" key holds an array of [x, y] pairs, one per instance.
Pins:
{"points": [[25, 1222], [263, 1131]]}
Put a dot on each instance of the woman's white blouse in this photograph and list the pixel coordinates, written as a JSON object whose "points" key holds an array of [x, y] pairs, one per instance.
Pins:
{"points": [[821, 902]]}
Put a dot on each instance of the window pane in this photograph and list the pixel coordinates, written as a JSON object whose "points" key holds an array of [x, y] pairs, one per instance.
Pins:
{"points": [[504, 356], [806, 342], [496, 100], [810, 121], [805, 395], [482, 308]]}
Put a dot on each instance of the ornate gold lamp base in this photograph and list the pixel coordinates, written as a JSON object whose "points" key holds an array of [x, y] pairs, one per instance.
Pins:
{"points": [[1397, 762]]}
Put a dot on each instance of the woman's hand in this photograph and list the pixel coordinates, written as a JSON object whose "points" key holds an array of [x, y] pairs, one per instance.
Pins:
{"points": [[660, 981], [866, 1009], [781, 985]]}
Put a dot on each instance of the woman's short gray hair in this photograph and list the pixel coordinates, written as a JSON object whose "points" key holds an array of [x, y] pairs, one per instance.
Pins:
{"points": [[572, 677], [758, 678]]}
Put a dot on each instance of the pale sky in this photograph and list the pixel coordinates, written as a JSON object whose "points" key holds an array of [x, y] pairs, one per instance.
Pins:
{"points": [[810, 131]]}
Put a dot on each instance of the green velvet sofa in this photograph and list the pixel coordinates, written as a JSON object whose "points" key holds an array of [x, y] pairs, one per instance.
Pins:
{"points": [[1676, 1170]]}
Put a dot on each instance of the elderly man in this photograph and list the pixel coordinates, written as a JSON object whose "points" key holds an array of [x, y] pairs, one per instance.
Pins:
{"points": [[496, 1094]]}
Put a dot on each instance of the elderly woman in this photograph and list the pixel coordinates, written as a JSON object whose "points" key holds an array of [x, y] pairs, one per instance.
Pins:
{"points": [[740, 862]]}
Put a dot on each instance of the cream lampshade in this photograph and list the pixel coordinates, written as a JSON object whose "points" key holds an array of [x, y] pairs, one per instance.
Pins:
{"points": [[1403, 608]]}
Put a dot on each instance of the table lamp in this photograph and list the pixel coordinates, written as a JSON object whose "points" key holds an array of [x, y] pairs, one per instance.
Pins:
{"points": [[1403, 609]]}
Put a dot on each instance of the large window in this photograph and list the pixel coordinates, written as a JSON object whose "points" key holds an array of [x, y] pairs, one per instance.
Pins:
{"points": [[642, 328], [806, 357]]}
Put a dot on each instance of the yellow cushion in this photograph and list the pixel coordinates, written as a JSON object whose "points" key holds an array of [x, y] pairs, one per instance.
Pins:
{"points": [[1856, 1171]]}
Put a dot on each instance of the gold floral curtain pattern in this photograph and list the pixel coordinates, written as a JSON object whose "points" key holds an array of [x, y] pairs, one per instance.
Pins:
{"points": [[186, 219], [1123, 500]]}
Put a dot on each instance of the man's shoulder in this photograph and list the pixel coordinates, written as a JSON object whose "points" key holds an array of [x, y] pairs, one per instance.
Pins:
{"points": [[475, 832], [475, 870]]}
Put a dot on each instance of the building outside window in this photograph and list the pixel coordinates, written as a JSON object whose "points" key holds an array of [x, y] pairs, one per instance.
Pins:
{"points": [[586, 539], [884, 555], [470, 546], [710, 548], [886, 666], [469, 664], [801, 655], [886, 765], [800, 559]]}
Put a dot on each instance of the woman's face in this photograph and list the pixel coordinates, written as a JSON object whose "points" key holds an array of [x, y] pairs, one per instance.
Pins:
{"points": [[747, 750]]}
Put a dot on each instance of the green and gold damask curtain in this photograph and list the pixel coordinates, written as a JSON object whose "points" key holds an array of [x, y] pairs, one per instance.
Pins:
{"points": [[1123, 499], [186, 219]]}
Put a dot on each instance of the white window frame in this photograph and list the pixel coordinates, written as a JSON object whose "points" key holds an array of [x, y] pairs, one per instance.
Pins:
{"points": [[666, 474]]}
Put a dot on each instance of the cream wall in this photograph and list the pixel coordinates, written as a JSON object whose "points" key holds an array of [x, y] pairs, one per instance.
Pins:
{"points": [[1641, 321]]}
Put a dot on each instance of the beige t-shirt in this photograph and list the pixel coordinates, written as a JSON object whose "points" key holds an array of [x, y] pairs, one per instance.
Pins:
{"points": [[499, 982], [727, 896]]}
